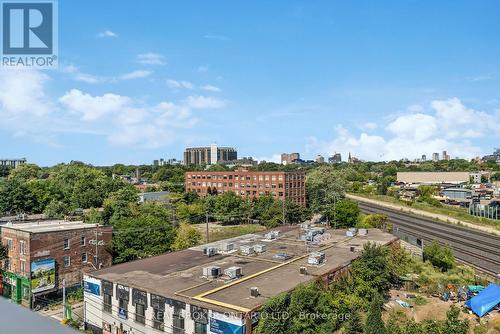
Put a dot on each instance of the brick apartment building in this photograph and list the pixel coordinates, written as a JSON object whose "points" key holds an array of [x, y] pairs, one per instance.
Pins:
{"points": [[43, 254], [282, 185]]}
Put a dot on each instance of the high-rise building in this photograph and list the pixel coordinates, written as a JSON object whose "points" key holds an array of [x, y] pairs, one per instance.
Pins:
{"points": [[335, 159], [320, 159], [209, 155], [424, 157], [288, 158], [435, 156], [445, 156]]}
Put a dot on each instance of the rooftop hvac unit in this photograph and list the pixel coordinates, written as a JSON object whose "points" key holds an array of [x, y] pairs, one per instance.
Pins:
{"points": [[210, 251], [363, 231], [254, 292], [246, 250], [353, 249], [282, 256], [316, 258], [212, 272], [303, 270], [350, 233], [233, 272], [272, 235], [227, 247], [259, 248]]}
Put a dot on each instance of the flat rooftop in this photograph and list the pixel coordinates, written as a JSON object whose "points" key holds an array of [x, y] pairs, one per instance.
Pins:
{"points": [[48, 226], [179, 275]]}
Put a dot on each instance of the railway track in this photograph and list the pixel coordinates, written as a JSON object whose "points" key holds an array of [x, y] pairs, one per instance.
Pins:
{"points": [[478, 249]]}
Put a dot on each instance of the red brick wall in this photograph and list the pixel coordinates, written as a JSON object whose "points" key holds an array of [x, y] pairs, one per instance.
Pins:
{"points": [[283, 185], [51, 245]]}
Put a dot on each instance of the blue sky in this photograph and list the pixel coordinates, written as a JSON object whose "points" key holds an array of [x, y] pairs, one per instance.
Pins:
{"points": [[142, 80]]}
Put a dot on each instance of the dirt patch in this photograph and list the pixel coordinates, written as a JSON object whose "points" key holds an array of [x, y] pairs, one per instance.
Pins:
{"points": [[433, 308]]}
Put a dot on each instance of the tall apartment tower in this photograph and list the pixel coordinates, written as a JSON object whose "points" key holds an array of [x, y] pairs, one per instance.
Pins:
{"points": [[424, 157], [209, 155], [435, 156], [288, 158]]}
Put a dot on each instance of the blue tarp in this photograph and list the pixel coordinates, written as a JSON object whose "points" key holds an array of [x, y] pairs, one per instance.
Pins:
{"points": [[485, 301]]}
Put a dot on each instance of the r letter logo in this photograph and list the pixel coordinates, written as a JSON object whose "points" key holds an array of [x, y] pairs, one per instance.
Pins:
{"points": [[29, 34]]}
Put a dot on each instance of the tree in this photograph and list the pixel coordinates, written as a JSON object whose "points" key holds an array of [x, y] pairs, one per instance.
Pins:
{"points": [[147, 232], [307, 305], [453, 325], [229, 207], [118, 204], [354, 324], [374, 322], [187, 236], [25, 172], [375, 220], [440, 257], [325, 186], [274, 316], [57, 209], [346, 213], [372, 270]]}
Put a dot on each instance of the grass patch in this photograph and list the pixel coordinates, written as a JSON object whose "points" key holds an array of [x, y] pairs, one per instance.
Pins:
{"points": [[419, 300]]}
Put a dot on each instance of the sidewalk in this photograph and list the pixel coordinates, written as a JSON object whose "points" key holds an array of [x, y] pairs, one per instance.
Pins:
{"points": [[440, 217]]}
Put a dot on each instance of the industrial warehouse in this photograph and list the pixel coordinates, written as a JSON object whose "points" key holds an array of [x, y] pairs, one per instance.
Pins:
{"points": [[219, 287]]}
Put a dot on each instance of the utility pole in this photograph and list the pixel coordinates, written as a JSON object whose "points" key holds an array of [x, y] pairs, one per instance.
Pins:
{"points": [[96, 249], [64, 299], [334, 212], [206, 221], [283, 207]]}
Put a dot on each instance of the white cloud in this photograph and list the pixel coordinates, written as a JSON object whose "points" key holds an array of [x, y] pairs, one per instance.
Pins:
{"points": [[77, 75], [217, 37], [205, 102], [151, 59], [448, 126], [368, 126], [202, 68], [22, 92], [136, 75], [211, 88], [106, 33], [93, 107], [174, 84]]}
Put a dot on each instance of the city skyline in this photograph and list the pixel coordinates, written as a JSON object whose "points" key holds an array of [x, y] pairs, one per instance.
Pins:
{"points": [[383, 82]]}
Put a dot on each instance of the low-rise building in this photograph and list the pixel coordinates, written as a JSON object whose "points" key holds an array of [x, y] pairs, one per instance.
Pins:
{"points": [[12, 162], [432, 178], [153, 196], [42, 255], [212, 288], [282, 185]]}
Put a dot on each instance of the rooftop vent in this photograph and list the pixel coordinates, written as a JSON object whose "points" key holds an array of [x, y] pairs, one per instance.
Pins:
{"points": [[254, 292], [303, 270]]}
